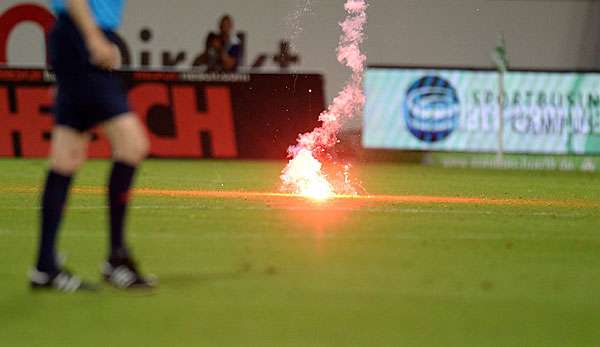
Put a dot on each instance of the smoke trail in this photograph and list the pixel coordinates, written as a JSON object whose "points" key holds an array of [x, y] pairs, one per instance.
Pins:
{"points": [[293, 21], [303, 174]]}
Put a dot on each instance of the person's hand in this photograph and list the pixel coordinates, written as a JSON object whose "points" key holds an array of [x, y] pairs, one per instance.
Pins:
{"points": [[103, 53]]}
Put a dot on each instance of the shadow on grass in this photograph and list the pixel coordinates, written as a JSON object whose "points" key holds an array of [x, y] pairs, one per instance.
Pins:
{"points": [[193, 279], [202, 278]]}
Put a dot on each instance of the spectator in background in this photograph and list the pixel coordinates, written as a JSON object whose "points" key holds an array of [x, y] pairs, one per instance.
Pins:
{"points": [[212, 57], [231, 44], [222, 50]]}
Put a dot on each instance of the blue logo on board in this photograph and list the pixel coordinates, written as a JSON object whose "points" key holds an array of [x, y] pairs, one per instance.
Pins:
{"points": [[431, 109]]}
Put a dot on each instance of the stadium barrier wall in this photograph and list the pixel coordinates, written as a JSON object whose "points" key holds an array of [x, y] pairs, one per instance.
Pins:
{"points": [[187, 114]]}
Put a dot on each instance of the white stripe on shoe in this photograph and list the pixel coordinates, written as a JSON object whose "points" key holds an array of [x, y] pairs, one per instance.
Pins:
{"points": [[122, 277], [38, 277], [66, 283]]}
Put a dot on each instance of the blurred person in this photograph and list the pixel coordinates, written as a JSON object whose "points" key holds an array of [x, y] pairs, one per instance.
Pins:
{"points": [[83, 55], [231, 44], [213, 54], [222, 50]]}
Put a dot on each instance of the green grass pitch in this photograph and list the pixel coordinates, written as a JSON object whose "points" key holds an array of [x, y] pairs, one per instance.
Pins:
{"points": [[282, 272]]}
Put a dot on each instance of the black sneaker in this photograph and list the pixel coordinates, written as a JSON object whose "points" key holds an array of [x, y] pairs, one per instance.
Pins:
{"points": [[122, 273], [62, 280]]}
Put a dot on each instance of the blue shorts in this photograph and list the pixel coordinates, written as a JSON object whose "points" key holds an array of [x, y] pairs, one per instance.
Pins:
{"points": [[86, 95]]}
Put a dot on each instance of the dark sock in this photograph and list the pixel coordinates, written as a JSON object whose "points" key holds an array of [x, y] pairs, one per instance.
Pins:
{"points": [[53, 202], [120, 182]]}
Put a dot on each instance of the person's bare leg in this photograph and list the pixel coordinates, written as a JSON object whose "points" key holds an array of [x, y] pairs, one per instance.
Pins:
{"points": [[129, 144], [67, 153]]}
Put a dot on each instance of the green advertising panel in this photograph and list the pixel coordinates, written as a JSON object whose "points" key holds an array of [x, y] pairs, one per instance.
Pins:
{"points": [[458, 110]]}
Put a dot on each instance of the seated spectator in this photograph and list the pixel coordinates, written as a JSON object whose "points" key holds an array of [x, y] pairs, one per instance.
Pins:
{"points": [[231, 44], [223, 50], [212, 57]]}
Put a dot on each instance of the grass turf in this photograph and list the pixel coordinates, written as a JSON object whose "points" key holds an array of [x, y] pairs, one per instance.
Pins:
{"points": [[287, 273]]}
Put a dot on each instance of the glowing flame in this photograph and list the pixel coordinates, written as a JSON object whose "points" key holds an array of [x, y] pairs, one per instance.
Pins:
{"points": [[303, 175]]}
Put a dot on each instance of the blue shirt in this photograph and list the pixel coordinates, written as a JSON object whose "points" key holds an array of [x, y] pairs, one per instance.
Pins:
{"points": [[107, 13]]}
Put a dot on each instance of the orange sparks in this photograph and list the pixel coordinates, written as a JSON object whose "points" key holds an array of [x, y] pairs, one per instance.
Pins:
{"points": [[384, 199]]}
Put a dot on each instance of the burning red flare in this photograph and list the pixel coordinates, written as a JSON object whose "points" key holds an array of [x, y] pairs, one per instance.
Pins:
{"points": [[304, 175]]}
